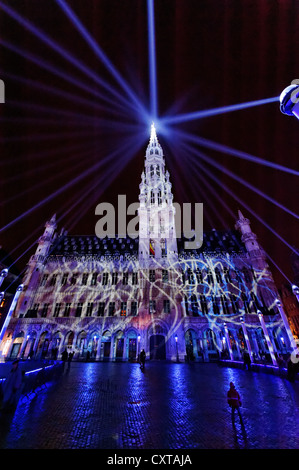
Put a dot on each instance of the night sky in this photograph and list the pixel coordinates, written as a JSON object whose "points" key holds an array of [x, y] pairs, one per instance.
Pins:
{"points": [[210, 53]]}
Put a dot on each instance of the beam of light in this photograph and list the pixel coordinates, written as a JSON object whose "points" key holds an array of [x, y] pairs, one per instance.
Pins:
{"points": [[101, 55], [212, 112], [240, 180], [235, 153], [152, 58], [64, 53], [240, 201], [40, 156], [66, 95], [80, 165], [60, 73], [71, 183]]}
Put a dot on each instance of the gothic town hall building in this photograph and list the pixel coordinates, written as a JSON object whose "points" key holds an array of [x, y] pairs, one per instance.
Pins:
{"points": [[111, 297]]}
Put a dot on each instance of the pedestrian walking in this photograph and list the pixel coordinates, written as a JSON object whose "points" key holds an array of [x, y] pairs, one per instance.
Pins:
{"points": [[69, 359], [234, 400], [142, 359], [64, 357], [12, 386]]}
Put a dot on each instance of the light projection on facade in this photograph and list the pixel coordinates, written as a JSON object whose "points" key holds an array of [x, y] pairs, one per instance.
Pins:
{"points": [[112, 297]]}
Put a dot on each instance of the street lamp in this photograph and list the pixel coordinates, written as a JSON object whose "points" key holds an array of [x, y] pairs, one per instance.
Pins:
{"points": [[177, 352]]}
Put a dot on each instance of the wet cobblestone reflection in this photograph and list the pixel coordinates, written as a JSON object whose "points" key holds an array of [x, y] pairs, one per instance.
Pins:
{"points": [[167, 406]]}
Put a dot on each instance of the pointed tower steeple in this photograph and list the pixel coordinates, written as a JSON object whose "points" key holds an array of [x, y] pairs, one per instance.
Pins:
{"points": [[156, 211], [249, 238]]}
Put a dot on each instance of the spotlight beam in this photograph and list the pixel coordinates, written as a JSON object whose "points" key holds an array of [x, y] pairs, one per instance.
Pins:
{"points": [[235, 153], [99, 53], [71, 183], [60, 73], [65, 54], [240, 180], [240, 201], [213, 112], [152, 58]]}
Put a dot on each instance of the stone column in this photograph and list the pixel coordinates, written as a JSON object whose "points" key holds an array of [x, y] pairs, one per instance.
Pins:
{"points": [[228, 342], [246, 339], [270, 347], [286, 324]]}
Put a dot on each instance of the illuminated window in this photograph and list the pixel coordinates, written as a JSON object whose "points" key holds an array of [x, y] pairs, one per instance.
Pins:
{"points": [[53, 280], [166, 306], [152, 306], [74, 279], [101, 309], [79, 309], [111, 309], [45, 310], [89, 309], [67, 310], [123, 309], [57, 310], [105, 279], [44, 279], [134, 309], [64, 279], [94, 279]]}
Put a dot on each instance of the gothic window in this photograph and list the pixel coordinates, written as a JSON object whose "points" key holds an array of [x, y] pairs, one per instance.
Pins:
{"points": [[79, 309], [94, 279], [190, 277], [105, 279], [218, 275], [225, 306], [44, 279], [89, 309], [152, 306], [152, 197], [111, 309], [216, 309], [64, 279], [134, 279], [114, 278], [101, 309], [166, 306], [203, 304], [152, 170], [245, 302], [57, 310], [163, 248], [74, 279], [134, 309], [152, 275], [84, 279], [164, 275], [198, 276], [123, 309], [67, 310], [53, 280], [45, 310], [158, 170], [194, 305], [125, 279], [186, 305], [234, 304], [210, 277], [159, 197], [35, 308]]}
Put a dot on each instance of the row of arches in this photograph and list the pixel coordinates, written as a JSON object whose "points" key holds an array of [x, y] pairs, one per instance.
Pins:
{"points": [[206, 344]]}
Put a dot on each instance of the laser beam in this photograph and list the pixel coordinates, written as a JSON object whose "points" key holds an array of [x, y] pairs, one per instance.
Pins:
{"points": [[152, 58]]}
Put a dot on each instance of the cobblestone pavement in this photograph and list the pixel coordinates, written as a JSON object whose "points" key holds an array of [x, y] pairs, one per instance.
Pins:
{"points": [[168, 406]]}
